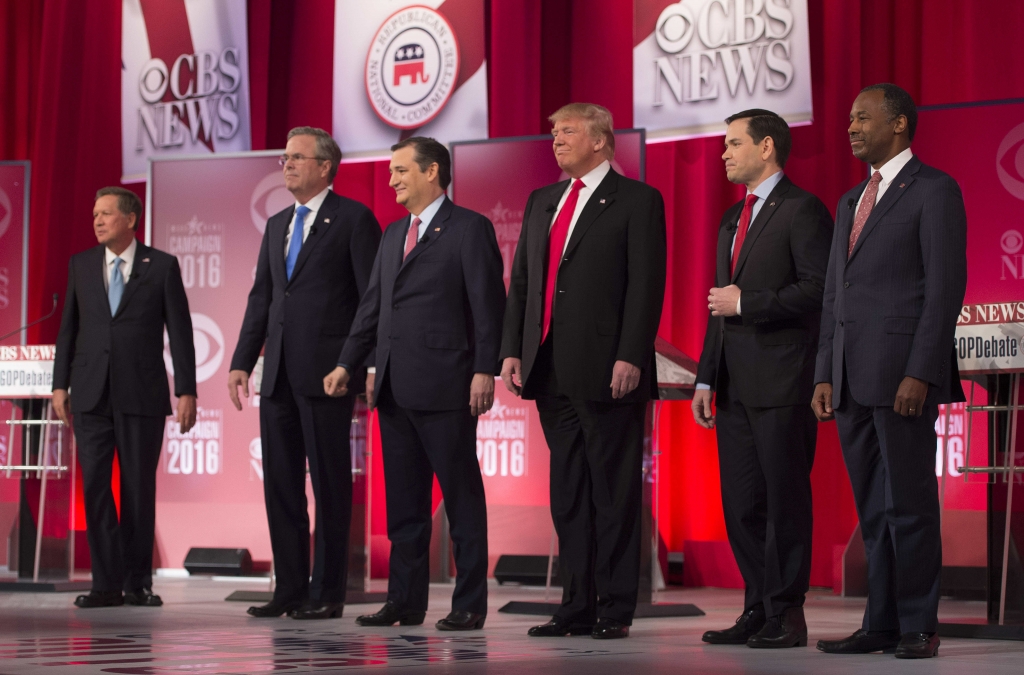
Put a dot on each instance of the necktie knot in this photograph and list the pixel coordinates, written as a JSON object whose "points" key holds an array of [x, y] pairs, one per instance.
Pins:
{"points": [[301, 213], [577, 185], [750, 201], [117, 264], [876, 177]]}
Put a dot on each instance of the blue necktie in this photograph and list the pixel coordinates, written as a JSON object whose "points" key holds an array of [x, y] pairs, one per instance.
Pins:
{"points": [[116, 286], [296, 243]]}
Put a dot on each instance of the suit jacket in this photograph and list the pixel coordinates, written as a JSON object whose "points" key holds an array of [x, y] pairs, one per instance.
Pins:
{"points": [[303, 322], [769, 350], [127, 348], [609, 293], [890, 310], [434, 318]]}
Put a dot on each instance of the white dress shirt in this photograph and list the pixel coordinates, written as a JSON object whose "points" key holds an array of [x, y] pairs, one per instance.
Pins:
{"points": [[425, 216], [888, 171], [590, 183], [127, 255], [313, 205]]}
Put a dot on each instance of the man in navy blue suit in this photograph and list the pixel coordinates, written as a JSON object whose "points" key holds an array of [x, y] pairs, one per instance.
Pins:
{"points": [[433, 311], [312, 269], [896, 279]]}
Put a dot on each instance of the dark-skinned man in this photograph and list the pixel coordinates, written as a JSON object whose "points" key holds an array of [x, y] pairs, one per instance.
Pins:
{"points": [[109, 372], [588, 279], [758, 362], [312, 268], [433, 313], [896, 281]]}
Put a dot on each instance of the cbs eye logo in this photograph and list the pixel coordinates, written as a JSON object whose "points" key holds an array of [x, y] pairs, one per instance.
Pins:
{"points": [[5, 212], [1011, 242], [269, 197], [209, 345], [1010, 163]]}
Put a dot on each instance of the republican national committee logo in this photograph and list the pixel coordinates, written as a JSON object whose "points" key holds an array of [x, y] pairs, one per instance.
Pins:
{"points": [[412, 67]]}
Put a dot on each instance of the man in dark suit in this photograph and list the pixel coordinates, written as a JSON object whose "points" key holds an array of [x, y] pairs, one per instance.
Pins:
{"points": [[588, 279], [433, 313], [896, 281], [121, 294], [758, 361], [313, 267]]}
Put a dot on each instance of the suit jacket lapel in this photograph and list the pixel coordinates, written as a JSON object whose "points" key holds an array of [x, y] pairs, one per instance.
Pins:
{"points": [[602, 198], [767, 210], [277, 232], [324, 217], [540, 226], [139, 268], [96, 284], [437, 227], [896, 189], [724, 250]]}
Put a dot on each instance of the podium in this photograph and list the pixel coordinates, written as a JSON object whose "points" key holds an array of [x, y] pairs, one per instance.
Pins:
{"points": [[38, 465]]}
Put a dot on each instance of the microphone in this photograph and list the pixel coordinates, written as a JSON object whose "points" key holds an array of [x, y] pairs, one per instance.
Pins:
{"points": [[850, 202], [551, 208], [39, 320], [312, 230]]}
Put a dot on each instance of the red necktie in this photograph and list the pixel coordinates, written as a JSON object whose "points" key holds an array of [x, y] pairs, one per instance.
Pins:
{"points": [[556, 244], [410, 239], [867, 203], [741, 231]]}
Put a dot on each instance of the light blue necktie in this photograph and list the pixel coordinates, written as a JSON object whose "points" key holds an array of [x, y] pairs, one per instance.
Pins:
{"points": [[116, 286], [296, 243]]}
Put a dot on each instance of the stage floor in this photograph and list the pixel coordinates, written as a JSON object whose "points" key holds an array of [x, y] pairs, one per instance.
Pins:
{"points": [[197, 632]]}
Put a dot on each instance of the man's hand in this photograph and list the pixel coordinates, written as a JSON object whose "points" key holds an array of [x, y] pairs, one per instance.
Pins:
{"points": [[187, 412], [722, 301], [625, 378], [481, 393], [701, 407], [512, 375], [336, 382], [236, 379], [821, 402], [62, 405], [910, 397], [371, 378]]}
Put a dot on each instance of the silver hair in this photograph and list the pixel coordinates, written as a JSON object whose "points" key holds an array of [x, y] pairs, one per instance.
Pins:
{"points": [[326, 148]]}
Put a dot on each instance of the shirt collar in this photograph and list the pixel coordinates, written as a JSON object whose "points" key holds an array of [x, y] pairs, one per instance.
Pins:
{"points": [[127, 255], [767, 185], [427, 214], [315, 202], [893, 166], [594, 177]]}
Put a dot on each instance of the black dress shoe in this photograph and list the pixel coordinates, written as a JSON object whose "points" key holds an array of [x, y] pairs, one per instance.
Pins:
{"points": [[100, 599], [862, 642], [390, 614], [461, 620], [144, 597], [559, 628], [787, 630], [274, 608], [918, 646], [609, 629], [318, 610], [749, 623]]}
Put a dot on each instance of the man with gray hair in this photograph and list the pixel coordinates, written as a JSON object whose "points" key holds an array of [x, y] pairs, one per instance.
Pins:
{"points": [[313, 266], [583, 307]]}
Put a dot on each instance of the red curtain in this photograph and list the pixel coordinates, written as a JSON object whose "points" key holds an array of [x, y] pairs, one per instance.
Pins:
{"points": [[60, 78]]}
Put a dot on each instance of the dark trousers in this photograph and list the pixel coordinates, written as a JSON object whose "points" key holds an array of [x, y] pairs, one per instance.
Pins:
{"points": [[418, 444], [765, 457], [297, 429], [121, 552], [596, 493], [891, 462]]}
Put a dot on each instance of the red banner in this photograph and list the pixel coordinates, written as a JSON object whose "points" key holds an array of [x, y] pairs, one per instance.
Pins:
{"points": [[14, 177]]}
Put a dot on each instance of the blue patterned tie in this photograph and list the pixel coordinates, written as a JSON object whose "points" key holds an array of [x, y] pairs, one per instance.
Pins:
{"points": [[116, 286], [296, 243]]}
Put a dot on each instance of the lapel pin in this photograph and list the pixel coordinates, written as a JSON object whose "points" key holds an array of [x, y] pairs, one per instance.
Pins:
{"points": [[327, 220], [772, 204], [437, 229], [145, 260], [903, 185], [602, 201]]}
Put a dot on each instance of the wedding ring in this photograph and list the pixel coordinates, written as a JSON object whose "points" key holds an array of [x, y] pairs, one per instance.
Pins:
{"points": [[710, 306]]}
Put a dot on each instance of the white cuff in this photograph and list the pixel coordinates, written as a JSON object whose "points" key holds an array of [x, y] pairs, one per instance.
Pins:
{"points": [[738, 300], [701, 386], [372, 370]]}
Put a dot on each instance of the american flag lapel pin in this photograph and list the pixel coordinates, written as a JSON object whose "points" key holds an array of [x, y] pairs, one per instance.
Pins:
{"points": [[437, 229], [903, 185], [772, 204], [327, 220], [145, 260], [602, 201]]}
